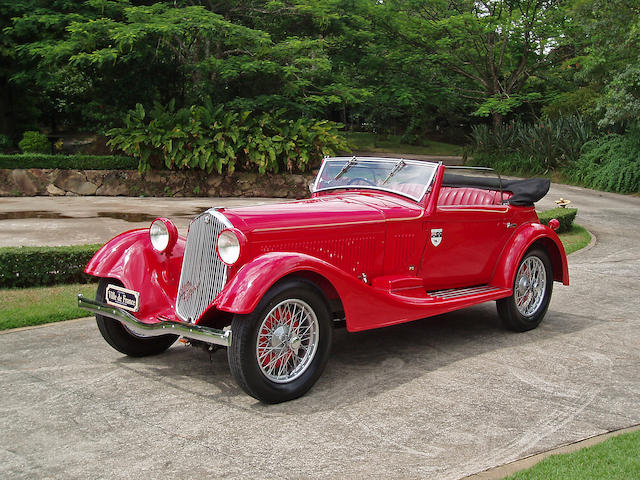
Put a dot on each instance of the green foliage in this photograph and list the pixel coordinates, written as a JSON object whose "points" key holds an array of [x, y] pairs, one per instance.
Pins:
{"points": [[504, 104], [209, 138], [540, 147], [34, 142], [79, 162], [610, 163], [5, 142], [34, 266], [621, 100], [565, 216]]}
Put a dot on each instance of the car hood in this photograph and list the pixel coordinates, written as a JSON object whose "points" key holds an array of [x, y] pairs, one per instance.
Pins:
{"points": [[324, 211]]}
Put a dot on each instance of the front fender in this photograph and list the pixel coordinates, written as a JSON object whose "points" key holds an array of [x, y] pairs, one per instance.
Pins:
{"points": [[130, 258], [245, 289], [528, 234]]}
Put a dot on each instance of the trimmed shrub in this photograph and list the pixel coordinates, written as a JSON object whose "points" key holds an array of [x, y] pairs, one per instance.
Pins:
{"points": [[79, 162], [565, 216], [34, 142], [38, 266]]}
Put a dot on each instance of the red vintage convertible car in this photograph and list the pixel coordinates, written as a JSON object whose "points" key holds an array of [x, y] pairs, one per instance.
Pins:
{"points": [[380, 242]]}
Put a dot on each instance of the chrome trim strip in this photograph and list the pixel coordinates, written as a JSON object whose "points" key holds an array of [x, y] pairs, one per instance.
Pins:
{"points": [[195, 332], [462, 292]]}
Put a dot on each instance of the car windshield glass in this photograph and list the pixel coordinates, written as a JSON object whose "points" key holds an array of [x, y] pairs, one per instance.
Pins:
{"points": [[405, 177]]}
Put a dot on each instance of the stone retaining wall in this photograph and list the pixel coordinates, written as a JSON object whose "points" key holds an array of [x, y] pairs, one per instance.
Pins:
{"points": [[54, 182]]}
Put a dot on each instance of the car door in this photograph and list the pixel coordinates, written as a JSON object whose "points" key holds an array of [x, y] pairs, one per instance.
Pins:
{"points": [[462, 244]]}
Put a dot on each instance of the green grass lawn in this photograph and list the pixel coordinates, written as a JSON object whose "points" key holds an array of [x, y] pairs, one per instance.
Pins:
{"points": [[575, 239], [617, 458], [21, 307], [371, 142]]}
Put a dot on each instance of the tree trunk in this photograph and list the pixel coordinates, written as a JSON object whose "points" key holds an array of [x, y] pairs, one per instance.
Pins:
{"points": [[497, 120]]}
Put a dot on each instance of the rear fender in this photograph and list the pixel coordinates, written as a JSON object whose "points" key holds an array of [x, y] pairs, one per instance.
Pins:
{"points": [[130, 258], [524, 238]]}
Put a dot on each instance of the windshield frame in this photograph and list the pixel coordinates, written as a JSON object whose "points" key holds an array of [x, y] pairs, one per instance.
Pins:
{"points": [[391, 161]]}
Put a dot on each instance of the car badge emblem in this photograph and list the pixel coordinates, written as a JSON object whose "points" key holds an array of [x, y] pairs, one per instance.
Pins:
{"points": [[187, 291], [436, 236]]}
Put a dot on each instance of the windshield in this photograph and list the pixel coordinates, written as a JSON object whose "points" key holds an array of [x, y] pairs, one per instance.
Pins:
{"points": [[410, 178]]}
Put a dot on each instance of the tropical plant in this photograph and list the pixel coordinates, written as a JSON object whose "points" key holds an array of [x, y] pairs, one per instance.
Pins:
{"points": [[548, 144], [208, 138]]}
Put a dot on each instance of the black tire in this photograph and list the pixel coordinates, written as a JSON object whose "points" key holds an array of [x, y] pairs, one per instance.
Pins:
{"points": [[512, 317], [243, 356], [122, 339]]}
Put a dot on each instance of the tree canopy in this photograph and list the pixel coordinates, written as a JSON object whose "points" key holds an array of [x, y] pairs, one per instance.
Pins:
{"points": [[408, 66]]}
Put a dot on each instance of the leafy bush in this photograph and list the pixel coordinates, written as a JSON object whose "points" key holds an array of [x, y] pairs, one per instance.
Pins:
{"points": [[549, 144], [80, 162], [565, 216], [610, 163], [34, 142], [35, 266], [5, 141], [208, 138]]}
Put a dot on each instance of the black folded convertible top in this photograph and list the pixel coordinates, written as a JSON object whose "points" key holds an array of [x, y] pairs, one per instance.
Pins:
{"points": [[525, 192]]}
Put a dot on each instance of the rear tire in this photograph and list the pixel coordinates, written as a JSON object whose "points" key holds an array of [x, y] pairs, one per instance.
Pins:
{"points": [[122, 339], [532, 289], [279, 350]]}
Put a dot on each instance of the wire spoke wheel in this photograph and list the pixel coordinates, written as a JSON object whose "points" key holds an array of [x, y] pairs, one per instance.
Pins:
{"points": [[287, 341], [532, 288], [530, 284]]}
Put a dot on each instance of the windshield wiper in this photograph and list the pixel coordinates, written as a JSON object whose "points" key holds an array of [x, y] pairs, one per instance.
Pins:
{"points": [[346, 167], [399, 166]]}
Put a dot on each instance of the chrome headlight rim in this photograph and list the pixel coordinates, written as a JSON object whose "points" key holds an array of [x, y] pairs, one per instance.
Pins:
{"points": [[163, 235], [229, 246]]}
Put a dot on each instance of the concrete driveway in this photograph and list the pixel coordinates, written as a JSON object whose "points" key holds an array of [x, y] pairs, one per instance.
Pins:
{"points": [[439, 398]]}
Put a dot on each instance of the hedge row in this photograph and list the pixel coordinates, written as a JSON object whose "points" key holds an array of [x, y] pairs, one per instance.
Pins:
{"points": [[565, 216], [76, 162], [37, 266]]}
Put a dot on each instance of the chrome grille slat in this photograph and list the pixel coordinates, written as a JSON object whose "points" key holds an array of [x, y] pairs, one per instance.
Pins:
{"points": [[203, 273]]}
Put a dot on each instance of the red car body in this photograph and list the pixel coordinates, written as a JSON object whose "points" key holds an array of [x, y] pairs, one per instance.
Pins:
{"points": [[378, 257]]}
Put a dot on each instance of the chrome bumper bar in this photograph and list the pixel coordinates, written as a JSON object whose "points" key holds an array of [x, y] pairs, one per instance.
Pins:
{"points": [[195, 332]]}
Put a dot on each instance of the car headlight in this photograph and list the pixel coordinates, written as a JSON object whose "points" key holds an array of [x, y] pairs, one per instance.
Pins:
{"points": [[163, 234], [228, 247]]}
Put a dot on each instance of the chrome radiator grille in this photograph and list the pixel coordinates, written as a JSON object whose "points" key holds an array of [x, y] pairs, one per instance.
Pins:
{"points": [[203, 273]]}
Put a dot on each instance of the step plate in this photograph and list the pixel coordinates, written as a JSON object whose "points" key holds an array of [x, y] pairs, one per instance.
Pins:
{"points": [[452, 293]]}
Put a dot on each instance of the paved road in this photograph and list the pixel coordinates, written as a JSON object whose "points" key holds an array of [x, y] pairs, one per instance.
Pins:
{"points": [[439, 398], [32, 221]]}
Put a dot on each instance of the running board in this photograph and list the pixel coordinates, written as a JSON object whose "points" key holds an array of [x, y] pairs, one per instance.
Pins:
{"points": [[453, 293]]}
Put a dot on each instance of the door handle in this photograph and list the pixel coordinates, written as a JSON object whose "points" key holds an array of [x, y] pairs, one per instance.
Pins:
{"points": [[511, 225]]}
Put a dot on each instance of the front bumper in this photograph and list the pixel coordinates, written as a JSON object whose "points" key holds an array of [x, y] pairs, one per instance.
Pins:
{"points": [[194, 332]]}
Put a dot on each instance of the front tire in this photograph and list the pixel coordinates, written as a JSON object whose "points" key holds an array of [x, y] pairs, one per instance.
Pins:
{"points": [[279, 350], [532, 289], [122, 339]]}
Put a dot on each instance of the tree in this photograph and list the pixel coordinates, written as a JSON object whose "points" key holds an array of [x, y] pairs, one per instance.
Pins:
{"points": [[492, 47]]}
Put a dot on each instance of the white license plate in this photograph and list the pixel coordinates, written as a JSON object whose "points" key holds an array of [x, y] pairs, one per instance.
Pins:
{"points": [[123, 298]]}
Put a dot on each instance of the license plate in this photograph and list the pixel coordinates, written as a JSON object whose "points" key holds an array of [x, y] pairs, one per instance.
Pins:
{"points": [[123, 298]]}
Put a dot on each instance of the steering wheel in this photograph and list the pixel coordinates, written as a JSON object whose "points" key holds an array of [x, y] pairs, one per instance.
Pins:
{"points": [[360, 181]]}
